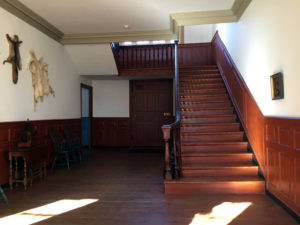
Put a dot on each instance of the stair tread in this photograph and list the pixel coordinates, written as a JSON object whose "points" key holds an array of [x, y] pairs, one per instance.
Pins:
{"points": [[208, 124], [208, 116], [195, 166], [196, 143], [218, 179], [213, 133], [206, 109], [214, 154]]}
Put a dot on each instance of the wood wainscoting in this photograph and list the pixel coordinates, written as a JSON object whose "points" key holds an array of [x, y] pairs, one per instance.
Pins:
{"points": [[275, 141], [111, 131], [8, 138], [194, 55], [282, 146]]}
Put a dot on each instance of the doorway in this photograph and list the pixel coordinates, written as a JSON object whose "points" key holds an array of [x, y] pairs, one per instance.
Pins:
{"points": [[86, 114], [150, 108]]}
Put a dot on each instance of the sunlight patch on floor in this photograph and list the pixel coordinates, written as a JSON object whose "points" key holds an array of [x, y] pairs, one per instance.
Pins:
{"points": [[45, 212], [221, 214]]}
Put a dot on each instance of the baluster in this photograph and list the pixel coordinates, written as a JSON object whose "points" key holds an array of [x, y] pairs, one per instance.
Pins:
{"points": [[175, 153], [149, 59], [136, 59], [166, 135]]}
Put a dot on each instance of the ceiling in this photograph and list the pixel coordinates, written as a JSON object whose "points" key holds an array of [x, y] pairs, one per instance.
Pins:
{"points": [[97, 16], [104, 21]]}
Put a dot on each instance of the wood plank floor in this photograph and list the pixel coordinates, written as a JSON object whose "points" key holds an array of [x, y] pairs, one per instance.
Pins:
{"points": [[129, 187]]}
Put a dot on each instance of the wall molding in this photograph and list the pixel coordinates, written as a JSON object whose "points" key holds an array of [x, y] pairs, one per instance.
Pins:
{"points": [[27, 15], [176, 20]]}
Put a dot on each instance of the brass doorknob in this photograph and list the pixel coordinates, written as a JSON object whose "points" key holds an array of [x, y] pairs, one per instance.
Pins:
{"points": [[167, 114]]}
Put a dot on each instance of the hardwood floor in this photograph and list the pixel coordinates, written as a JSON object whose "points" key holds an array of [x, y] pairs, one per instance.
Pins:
{"points": [[129, 186]]}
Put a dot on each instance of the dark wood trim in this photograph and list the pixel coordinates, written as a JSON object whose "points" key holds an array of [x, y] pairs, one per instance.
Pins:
{"points": [[194, 55], [8, 138], [111, 131], [90, 88], [275, 141]]}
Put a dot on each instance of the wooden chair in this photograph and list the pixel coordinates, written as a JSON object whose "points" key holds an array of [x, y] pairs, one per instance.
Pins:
{"points": [[3, 195], [73, 141], [61, 148]]}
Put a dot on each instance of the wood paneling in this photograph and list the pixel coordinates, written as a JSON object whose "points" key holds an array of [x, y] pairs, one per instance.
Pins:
{"points": [[275, 141], [194, 55], [283, 160], [111, 131], [8, 138]]}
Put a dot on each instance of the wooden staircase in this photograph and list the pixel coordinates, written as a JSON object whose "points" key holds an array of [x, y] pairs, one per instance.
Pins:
{"points": [[214, 154]]}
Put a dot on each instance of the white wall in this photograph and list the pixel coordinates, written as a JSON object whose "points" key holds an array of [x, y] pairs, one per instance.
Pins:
{"points": [[16, 100], [265, 41], [92, 59], [198, 33], [111, 98]]}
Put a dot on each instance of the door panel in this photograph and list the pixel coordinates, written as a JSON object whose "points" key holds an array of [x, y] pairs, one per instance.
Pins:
{"points": [[149, 100]]}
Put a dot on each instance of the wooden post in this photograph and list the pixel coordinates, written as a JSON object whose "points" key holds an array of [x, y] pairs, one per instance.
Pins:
{"points": [[166, 134]]}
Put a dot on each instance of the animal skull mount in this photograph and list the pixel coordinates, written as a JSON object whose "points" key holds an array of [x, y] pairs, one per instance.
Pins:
{"points": [[14, 57]]}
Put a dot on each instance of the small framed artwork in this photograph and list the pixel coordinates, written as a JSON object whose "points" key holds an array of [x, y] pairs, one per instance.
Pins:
{"points": [[277, 86]]}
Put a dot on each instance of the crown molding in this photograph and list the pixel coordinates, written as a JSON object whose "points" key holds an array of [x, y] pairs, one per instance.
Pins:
{"points": [[211, 17], [176, 20], [24, 13]]}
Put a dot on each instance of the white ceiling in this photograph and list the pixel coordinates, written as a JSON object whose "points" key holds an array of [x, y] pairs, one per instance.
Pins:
{"points": [[98, 16]]}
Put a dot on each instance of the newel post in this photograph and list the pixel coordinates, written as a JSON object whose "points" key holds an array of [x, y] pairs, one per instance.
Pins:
{"points": [[166, 134]]}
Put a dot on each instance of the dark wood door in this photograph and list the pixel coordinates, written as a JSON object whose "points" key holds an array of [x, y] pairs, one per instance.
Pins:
{"points": [[150, 108]]}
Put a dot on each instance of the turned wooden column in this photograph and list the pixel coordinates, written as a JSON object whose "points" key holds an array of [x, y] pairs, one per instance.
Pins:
{"points": [[166, 134]]}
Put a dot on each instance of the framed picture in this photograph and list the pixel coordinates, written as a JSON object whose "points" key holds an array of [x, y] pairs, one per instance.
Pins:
{"points": [[277, 86]]}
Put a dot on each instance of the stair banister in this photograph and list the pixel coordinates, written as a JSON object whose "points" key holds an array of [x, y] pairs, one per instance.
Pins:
{"points": [[171, 132]]}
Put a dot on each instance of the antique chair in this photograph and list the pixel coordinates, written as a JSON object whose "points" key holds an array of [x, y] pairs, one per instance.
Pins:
{"points": [[61, 148], [73, 141], [3, 195]]}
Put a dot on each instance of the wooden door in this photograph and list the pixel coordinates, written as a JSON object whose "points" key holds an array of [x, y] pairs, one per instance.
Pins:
{"points": [[150, 108]]}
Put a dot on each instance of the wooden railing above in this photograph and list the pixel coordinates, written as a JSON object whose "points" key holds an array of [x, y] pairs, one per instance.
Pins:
{"points": [[144, 59]]}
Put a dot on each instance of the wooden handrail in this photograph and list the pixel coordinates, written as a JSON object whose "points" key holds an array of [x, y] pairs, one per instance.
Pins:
{"points": [[171, 133]]}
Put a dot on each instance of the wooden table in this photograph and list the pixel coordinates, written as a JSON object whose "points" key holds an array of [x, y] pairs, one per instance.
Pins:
{"points": [[34, 159]]}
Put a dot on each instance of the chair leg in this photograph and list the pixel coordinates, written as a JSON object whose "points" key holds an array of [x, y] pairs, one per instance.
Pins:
{"points": [[53, 164], [68, 162], [79, 153], [3, 195]]}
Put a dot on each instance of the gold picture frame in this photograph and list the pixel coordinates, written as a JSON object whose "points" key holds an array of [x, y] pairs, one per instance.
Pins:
{"points": [[277, 86]]}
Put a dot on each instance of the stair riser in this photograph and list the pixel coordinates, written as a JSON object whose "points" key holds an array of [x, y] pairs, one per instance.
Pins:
{"points": [[205, 105], [210, 128], [212, 138], [191, 160], [201, 81], [257, 187], [197, 86], [205, 97], [209, 120], [206, 112], [214, 148], [204, 91], [199, 71], [221, 172]]}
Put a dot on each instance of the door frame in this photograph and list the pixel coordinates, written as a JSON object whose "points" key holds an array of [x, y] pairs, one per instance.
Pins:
{"points": [[171, 80], [90, 88]]}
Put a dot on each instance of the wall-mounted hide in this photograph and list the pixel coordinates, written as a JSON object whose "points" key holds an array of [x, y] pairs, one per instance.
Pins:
{"points": [[14, 57], [40, 80]]}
